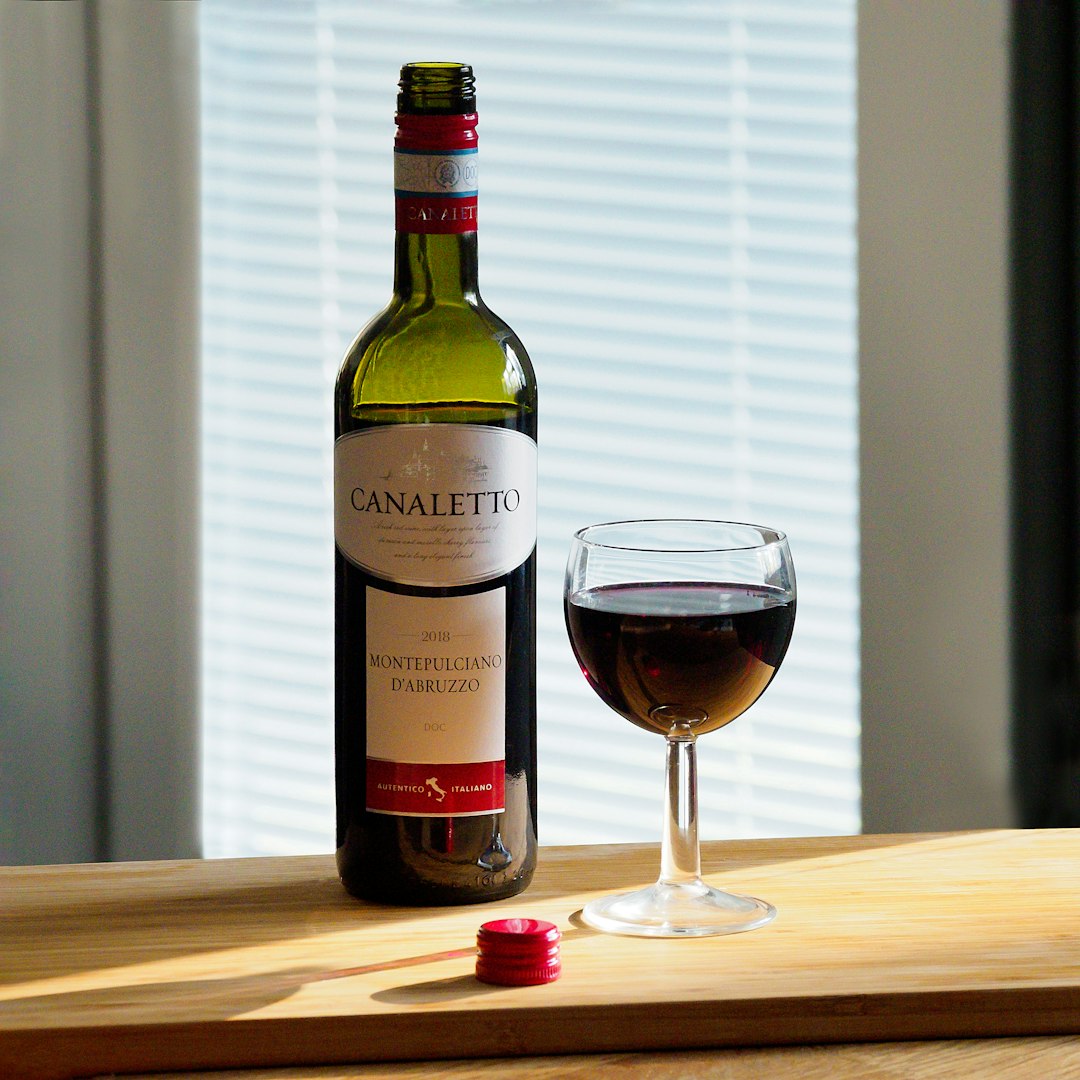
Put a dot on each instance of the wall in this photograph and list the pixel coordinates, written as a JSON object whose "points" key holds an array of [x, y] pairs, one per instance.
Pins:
{"points": [[933, 232], [98, 432]]}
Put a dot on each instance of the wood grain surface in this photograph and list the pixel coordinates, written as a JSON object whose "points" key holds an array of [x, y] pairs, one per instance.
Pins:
{"points": [[144, 967], [994, 1059]]}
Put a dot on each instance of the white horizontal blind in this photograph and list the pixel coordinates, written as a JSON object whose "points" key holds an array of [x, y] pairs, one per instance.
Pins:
{"points": [[667, 219]]}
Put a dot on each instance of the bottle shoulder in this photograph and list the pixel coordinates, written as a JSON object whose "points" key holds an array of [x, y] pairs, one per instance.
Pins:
{"points": [[436, 352]]}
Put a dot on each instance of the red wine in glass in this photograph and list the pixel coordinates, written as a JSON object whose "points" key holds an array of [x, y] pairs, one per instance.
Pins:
{"points": [[705, 650]]}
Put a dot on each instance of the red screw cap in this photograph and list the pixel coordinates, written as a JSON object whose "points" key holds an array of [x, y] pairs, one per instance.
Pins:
{"points": [[518, 952]]}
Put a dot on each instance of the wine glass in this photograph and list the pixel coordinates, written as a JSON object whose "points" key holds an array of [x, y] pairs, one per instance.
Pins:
{"points": [[679, 625]]}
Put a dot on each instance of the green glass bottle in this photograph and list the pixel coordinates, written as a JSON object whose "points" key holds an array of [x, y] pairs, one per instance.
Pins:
{"points": [[435, 529]]}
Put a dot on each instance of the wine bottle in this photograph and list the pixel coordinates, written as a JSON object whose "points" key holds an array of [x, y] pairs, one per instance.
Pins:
{"points": [[435, 530]]}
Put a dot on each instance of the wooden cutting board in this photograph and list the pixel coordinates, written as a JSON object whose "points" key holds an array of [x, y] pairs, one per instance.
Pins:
{"points": [[186, 965]]}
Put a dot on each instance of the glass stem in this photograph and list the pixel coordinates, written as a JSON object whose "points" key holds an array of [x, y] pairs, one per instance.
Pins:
{"points": [[680, 857]]}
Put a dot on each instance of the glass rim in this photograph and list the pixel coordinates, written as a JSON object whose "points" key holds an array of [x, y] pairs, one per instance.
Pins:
{"points": [[770, 537]]}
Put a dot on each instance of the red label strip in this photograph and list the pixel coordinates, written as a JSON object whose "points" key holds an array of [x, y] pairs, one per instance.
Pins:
{"points": [[459, 789], [435, 214]]}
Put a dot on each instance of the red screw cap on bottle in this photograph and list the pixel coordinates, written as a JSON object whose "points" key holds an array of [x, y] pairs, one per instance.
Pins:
{"points": [[518, 952]]}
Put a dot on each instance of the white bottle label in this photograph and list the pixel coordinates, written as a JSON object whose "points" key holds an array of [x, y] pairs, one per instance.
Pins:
{"points": [[435, 172], [436, 703], [435, 504]]}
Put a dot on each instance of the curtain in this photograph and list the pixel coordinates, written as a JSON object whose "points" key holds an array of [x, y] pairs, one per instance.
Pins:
{"points": [[1046, 412]]}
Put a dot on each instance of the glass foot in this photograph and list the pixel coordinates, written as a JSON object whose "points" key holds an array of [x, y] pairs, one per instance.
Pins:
{"points": [[690, 910]]}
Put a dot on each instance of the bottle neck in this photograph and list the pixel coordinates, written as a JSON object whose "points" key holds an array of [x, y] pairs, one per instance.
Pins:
{"points": [[435, 193], [436, 267]]}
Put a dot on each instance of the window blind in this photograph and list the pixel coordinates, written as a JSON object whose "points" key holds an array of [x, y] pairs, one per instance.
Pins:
{"points": [[667, 218]]}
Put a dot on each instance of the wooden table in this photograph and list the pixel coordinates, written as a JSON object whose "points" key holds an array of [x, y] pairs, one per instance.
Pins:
{"points": [[993, 1059], [150, 967]]}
